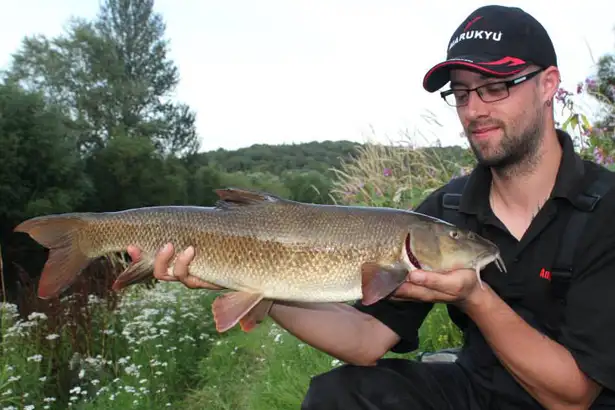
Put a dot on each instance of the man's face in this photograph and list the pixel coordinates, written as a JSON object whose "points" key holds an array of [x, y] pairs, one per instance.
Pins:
{"points": [[505, 132]]}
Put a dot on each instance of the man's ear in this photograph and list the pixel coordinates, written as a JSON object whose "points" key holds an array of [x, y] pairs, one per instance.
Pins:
{"points": [[551, 80]]}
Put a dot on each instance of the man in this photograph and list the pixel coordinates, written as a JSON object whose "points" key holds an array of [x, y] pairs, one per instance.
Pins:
{"points": [[517, 353]]}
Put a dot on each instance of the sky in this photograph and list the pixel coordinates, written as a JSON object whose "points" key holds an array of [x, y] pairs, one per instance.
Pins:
{"points": [[289, 71]]}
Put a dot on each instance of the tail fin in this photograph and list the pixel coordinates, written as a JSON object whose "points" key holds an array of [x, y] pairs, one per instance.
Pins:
{"points": [[58, 233]]}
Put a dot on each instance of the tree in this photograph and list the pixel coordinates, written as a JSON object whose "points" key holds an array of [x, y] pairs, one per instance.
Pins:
{"points": [[604, 87], [40, 173], [113, 77], [40, 169]]}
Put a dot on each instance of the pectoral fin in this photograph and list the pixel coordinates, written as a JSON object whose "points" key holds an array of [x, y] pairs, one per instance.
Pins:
{"points": [[135, 273], [379, 281], [256, 315], [231, 308]]}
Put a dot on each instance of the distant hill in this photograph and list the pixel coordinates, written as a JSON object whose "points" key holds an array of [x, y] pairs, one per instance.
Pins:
{"points": [[313, 156]]}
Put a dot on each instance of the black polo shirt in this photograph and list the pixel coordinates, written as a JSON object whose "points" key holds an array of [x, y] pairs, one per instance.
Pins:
{"points": [[588, 328]]}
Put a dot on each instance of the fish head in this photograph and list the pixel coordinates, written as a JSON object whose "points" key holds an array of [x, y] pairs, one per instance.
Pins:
{"points": [[437, 245]]}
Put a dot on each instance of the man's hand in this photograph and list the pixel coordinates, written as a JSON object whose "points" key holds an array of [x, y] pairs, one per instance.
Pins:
{"points": [[458, 286], [180, 271]]}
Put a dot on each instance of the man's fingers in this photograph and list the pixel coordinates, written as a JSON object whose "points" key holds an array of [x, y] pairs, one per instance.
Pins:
{"points": [[416, 293], [448, 283], [180, 270], [134, 253], [161, 261], [193, 282]]}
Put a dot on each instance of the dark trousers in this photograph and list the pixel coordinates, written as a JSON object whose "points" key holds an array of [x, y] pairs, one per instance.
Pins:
{"points": [[394, 384]]}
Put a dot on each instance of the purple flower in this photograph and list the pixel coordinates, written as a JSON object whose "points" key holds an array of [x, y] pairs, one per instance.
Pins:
{"points": [[591, 84], [598, 155], [387, 172], [562, 95], [601, 158]]}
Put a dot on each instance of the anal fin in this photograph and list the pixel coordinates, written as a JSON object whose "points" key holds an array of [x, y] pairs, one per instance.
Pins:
{"points": [[379, 281], [230, 308]]}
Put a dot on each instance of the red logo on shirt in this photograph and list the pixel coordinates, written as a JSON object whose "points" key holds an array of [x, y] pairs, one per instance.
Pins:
{"points": [[545, 274]]}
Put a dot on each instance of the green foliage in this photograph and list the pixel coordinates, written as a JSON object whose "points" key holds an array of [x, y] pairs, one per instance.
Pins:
{"points": [[137, 355], [112, 76], [40, 169], [397, 176], [129, 162], [594, 97], [274, 369], [275, 159]]}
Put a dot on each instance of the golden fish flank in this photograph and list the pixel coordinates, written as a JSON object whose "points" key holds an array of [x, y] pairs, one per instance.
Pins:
{"points": [[260, 248]]}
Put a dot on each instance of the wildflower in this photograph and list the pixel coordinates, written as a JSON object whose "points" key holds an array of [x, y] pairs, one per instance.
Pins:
{"points": [[591, 84], [35, 358], [387, 172], [37, 315], [562, 95]]}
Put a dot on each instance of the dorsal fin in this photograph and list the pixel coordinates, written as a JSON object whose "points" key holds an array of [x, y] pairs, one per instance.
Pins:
{"points": [[233, 197]]}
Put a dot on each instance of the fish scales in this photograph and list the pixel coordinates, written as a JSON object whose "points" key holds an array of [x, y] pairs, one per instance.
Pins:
{"points": [[296, 251]]}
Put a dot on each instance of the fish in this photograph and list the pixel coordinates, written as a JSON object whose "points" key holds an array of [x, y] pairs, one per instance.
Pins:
{"points": [[258, 247]]}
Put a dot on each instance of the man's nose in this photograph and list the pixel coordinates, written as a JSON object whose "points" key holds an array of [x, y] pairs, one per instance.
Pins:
{"points": [[476, 107]]}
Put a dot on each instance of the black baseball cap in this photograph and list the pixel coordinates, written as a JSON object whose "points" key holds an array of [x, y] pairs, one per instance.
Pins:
{"points": [[495, 40]]}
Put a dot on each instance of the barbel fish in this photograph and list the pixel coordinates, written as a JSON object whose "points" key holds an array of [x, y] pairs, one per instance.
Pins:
{"points": [[260, 247]]}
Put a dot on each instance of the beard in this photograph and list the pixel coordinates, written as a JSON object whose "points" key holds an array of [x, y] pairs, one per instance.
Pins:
{"points": [[518, 147]]}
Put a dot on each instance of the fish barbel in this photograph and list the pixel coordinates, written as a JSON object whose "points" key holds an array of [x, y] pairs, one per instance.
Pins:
{"points": [[259, 248]]}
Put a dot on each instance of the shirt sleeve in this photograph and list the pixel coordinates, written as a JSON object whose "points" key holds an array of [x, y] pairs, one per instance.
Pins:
{"points": [[588, 330], [404, 317]]}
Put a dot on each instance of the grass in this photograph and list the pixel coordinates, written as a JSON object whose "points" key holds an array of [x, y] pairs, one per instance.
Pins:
{"points": [[140, 354], [158, 349], [270, 369], [398, 174]]}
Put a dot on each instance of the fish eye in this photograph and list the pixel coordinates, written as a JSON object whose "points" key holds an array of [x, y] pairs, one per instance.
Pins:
{"points": [[454, 234]]}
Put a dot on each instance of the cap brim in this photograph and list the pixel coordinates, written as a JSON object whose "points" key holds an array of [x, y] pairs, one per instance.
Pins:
{"points": [[504, 66]]}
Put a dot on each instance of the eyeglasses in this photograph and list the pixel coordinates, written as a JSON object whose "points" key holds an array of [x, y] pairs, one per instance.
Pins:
{"points": [[489, 92]]}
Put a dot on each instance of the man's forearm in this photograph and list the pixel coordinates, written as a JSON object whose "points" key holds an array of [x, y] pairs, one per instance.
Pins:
{"points": [[336, 329], [545, 368]]}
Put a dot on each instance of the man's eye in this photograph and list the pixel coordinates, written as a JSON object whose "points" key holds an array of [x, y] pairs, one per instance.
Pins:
{"points": [[495, 88]]}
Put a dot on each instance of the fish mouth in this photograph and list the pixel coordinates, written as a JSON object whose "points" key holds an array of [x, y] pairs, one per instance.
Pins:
{"points": [[414, 262]]}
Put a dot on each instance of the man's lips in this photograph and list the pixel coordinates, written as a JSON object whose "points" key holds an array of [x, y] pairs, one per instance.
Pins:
{"points": [[484, 130]]}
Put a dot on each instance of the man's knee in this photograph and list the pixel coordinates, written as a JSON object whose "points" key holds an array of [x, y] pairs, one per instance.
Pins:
{"points": [[334, 389], [392, 384]]}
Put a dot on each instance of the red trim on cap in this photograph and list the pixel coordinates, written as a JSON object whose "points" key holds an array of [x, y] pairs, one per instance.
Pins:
{"points": [[510, 61], [477, 66], [474, 20]]}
